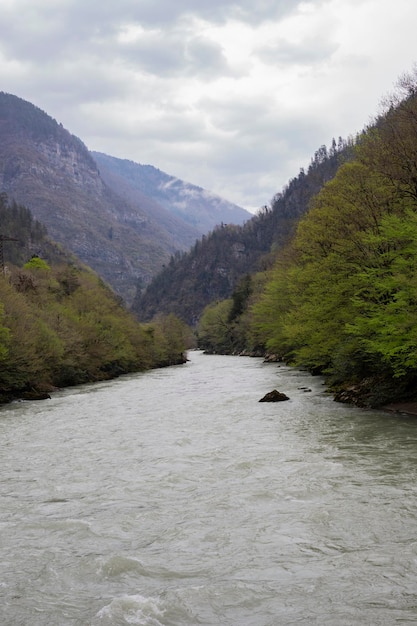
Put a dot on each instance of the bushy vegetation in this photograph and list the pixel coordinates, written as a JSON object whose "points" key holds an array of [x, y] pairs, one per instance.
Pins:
{"points": [[226, 326], [341, 298], [61, 325]]}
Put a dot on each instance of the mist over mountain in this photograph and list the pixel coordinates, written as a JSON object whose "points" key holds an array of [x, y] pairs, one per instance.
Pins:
{"points": [[197, 207]]}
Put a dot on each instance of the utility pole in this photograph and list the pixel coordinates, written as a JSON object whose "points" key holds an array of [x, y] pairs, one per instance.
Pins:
{"points": [[2, 239]]}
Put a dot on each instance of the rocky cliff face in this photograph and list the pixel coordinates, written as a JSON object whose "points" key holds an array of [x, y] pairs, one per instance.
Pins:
{"points": [[53, 174], [71, 162]]}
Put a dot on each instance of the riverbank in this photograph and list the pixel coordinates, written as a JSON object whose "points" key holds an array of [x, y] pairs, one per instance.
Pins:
{"points": [[372, 392], [401, 407], [43, 391]]}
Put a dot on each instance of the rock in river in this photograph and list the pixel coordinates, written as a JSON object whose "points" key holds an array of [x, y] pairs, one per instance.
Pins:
{"points": [[274, 396]]}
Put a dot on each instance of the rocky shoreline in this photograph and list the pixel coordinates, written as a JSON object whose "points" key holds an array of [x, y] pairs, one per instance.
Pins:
{"points": [[371, 393]]}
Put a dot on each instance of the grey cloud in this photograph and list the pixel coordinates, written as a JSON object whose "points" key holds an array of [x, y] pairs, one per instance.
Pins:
{"points": [[308, 52], [170, 54], [162, 12], [156, 56], [89, 32], [71, 87], [176, 129], [33, 28], [253, 122], [42, 36], [48, 34], [206, 58]]}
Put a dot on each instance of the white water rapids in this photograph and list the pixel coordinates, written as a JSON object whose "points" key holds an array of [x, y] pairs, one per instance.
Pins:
{"points": [[175, 498]]}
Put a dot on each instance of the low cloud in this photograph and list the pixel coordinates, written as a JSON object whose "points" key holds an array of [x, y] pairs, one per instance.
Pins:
{"points": [[233, 96]]}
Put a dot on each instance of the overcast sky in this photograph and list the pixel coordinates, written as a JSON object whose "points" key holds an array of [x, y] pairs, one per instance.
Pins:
{"points": [[234, 96]]}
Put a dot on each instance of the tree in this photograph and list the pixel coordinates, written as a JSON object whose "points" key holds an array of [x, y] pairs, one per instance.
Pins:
{"points": [[344, 301], [215, 330], [240, 297], [385, 302], [171, 338], [37, 264]]}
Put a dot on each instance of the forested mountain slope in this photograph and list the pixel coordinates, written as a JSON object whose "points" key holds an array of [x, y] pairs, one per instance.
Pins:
{"points": [[352, 307], [59, 324], [217, 262], [341, 298]]}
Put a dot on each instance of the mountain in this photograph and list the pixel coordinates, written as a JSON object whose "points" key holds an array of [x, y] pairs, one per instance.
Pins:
{"points": [[211, 270], [123, 235], [193, 205]]}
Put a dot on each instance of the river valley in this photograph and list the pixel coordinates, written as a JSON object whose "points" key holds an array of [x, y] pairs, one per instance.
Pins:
{"points": [[174, 498]]}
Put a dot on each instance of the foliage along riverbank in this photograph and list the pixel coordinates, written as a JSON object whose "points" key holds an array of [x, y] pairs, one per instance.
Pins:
{"points": [[341, 298], [60, 325]]}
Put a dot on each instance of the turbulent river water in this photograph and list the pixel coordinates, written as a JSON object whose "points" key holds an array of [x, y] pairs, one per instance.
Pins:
{"points": [[175, 498]]}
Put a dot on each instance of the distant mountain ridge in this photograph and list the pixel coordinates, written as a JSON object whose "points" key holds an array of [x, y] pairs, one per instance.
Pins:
{"points": [[194, 205], [122, 234]]}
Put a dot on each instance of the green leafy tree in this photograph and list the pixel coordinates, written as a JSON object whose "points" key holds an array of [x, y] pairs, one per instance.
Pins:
{"points": [[385, 301], [171, 338], [343, 300], [37, 264], [215, 331]]}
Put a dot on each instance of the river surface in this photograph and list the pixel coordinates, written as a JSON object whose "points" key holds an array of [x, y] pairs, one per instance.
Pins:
{"points": [[174, 498]]}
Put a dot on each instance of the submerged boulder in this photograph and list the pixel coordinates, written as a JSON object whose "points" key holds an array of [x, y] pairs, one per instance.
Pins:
{"points": [[274, 396], [272, 358]]}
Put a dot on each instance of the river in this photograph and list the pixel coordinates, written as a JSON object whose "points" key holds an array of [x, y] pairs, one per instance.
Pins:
{"points": [[174, 498]]}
